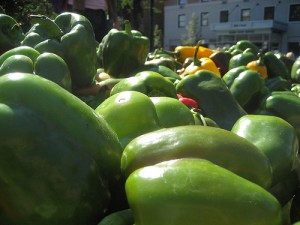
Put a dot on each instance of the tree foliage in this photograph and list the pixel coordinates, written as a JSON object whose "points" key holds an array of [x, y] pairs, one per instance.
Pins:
{"points": [[192, 31], [21, 9]]}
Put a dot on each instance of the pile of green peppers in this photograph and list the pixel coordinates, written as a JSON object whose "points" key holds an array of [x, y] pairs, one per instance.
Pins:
{"points": [[112, 132]]}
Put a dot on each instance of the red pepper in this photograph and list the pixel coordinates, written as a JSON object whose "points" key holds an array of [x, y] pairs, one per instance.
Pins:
{"points": [[188, 101]]}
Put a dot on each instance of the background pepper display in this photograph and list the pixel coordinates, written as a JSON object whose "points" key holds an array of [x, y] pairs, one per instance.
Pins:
{"points": [[114, 132]]}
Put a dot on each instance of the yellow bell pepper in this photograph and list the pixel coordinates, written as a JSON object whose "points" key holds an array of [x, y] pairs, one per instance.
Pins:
{"points": [[184, 52], [203, 63]]}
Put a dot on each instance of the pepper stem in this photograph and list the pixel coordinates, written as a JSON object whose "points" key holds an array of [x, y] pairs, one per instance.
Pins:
{"points": [[260, 60], [127, 27], [196, 61]]}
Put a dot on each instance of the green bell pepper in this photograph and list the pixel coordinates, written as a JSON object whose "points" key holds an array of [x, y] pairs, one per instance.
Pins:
{"points": [[26, 59], [32, 39], [213, 96], [275, 67], [283, 104], [247, 87], [171, 112], [45, 27], [241, 59], [123, 51], [130, 114], [278, 84], [42, 28], [51, 46], [217, 145], [79, 46], [287, 61], [147, 82], [17, 63], [198, 192], [58, 166], [243, 45], [275, 137], [11, 33], [122, 217], [20, 50], [70, 36], [295, 71], [54, 68], [162, 70]]}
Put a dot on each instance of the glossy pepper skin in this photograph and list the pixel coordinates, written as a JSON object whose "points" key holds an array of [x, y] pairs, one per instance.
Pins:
{"points": [[45, 27], [54, 68], [172, 112], [130, 114], [20, 50], [217, 145], [295, 71], [213, 97], [70, 36], [123, 51], [17, 63], [197, 192], [243, 45], [53, 170], [161, 69], [275, 137], [275, 67], [247, 88], [278, 84], [284, 104], [241, 59], [28, 60], [79, 47], [147, 82], [11, 33]]}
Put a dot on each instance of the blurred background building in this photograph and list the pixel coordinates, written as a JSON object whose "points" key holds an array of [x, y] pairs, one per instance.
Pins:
{"points": [[270, 24]]}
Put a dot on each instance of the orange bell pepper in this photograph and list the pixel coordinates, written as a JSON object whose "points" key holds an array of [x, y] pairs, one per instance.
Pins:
{"points": [[259, 66]]}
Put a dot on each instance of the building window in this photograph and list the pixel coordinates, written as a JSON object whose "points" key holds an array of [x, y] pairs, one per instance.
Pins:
{"points": [[245, 15], [224, 16], [181, 20], [182, 2], [295, 12], [269, 13], [204, 19]]}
